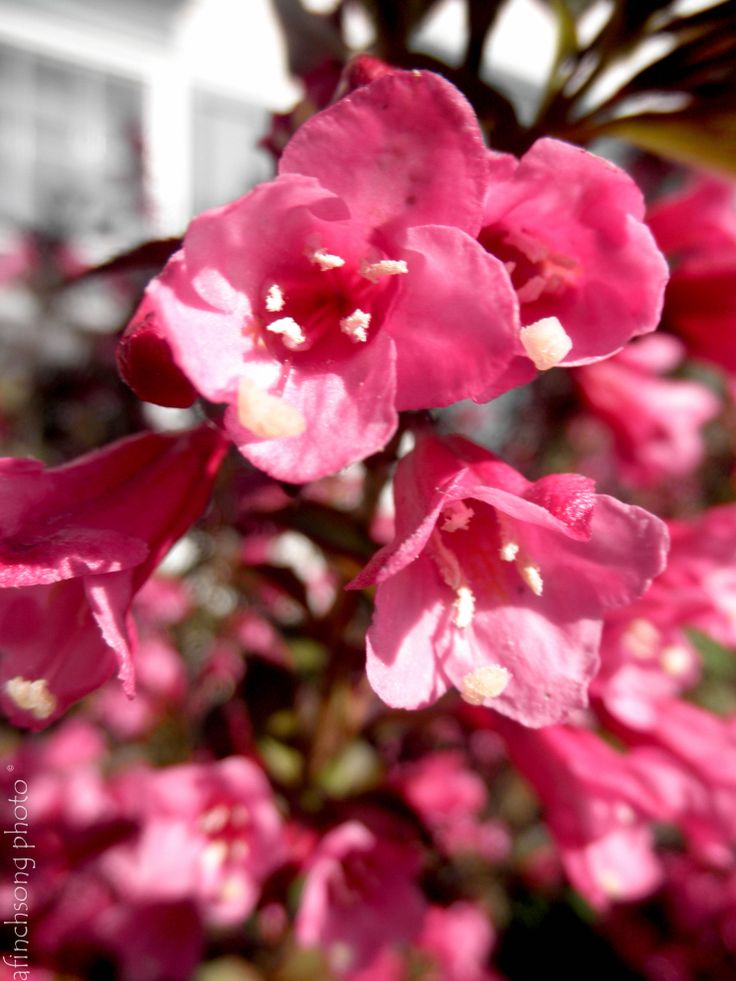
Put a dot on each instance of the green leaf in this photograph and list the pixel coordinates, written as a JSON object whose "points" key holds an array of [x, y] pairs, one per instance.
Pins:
{"points": [[718, 662], [703, 139]]}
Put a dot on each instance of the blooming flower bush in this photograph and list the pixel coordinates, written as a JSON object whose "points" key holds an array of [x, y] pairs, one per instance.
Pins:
{"points": [[368, 672]]}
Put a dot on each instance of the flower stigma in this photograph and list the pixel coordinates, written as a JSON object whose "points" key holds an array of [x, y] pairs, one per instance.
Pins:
{"points": [[31, 696], [546, 342], [266, 415], [489, 681]]}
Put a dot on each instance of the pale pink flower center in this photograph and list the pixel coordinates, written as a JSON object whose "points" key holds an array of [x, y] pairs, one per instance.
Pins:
{"points": [[227, 827]]}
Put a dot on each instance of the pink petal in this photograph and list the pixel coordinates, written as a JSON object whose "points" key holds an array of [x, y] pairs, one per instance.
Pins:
{"points": [[407, 619], [456, 323], [349, 412], [403, 150]]}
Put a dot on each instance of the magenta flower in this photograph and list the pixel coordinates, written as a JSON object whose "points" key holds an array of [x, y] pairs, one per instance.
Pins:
{"points": [[459, 939], [696, 228], [359, 894], [694, 752], [209, 833], [598, 804], [497, 586], [647, 655], [349, 288], [76, 543], [655, 422], [587, 272], [450, 799]]}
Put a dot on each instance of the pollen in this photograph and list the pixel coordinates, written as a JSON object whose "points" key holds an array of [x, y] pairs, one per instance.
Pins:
{"points": [[457, 516], [274, 299], [266, 415], [325, 260], [490, 681], [546, 342], [532, 577], [509, 548], [464, 607], [31, 696], [356, 326], [375, 271], [290, 332]]}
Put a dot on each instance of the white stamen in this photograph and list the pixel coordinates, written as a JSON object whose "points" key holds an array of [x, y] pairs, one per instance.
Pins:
{"points": [[457, 516], [356, 326], [509, 546], [532, 577], [508, 551], [546, 342], [375, 271], [325, 260], [447, 563], [291, 333], [490, 681], [464, 607], [31, 696], [266, 415], [449, 569], [274, 299]]}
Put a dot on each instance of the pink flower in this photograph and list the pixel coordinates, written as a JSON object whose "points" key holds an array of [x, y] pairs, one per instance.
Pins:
{"points": [[647, 655], [209, 833], [587, 272], [76, 543], [695, 773], [347, 289], [655, 422], [359, 894], [450, 799], [598, 805], [459, 938], [497, 586], [696, 228]]}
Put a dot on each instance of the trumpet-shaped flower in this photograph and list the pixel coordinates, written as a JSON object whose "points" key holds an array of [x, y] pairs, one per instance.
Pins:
{"points": [[347, 289], [497, 586], [587, 272], [656, 422]]}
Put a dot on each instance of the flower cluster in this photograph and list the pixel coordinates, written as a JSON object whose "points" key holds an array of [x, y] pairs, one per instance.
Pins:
{"points": [[531, 622]]}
